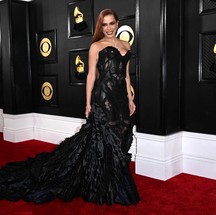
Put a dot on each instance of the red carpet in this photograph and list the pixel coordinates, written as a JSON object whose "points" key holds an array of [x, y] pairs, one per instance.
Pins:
{"points": [[184, 194]]}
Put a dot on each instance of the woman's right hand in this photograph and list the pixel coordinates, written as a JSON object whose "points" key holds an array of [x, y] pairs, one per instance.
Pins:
{"points": [[87, 111]]}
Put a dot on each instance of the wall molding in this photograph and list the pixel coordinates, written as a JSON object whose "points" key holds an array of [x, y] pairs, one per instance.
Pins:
{"points": [[199, 157], [43, 127], [155, 156], [54, 129], [48, 128], [18, 128], [159, 157], [163, 157]]}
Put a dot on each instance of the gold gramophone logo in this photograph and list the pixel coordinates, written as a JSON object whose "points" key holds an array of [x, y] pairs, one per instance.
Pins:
{"points": [[80, 66], [80, 72], [78, 15], [213, 65], [126, 33], [132, 92], [45, 47], [47, 91], [79, 22]]}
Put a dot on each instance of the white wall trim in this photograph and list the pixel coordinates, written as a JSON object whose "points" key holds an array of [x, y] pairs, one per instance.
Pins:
{"points": [[43, 127], [199, 154], [160, 157], [18, 128], [163, 157], [54, 129], [49, 128]]}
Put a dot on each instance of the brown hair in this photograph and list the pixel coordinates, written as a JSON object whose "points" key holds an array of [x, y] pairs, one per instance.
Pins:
{"points": [[98, 34]]}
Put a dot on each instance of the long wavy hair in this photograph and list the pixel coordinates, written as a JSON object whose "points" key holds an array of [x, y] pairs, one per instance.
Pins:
{"points": [[98, 34]]}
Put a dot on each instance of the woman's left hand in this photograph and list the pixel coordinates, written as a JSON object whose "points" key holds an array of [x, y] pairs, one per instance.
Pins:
{"points": [[132, 107]]}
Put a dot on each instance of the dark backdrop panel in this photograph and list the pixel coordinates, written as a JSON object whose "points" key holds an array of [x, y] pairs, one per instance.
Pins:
{"points": [[172, 65], [16, 71], [21, 56], [149, 85], [1, 91], [160, 67], [199, 97], [1, 81], [9, 95], [53, 14], [156, 77], [48, 15], [122, 8]]}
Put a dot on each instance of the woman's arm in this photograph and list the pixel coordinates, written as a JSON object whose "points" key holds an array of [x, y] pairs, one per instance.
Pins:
{"points": [[92, 62], [131, 104]]}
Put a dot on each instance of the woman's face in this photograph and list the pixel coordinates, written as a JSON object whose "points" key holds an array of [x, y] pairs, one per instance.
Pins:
{"points": [[109, 26]]}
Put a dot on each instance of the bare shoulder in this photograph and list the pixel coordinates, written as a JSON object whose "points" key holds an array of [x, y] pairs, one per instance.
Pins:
{"points": [[125, 45], [94, 47], [98, 46]]}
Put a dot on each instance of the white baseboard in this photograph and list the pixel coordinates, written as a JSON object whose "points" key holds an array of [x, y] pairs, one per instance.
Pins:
{"points": [[160, 157], [199, 154], [54, 129], [18, 128], [163, 157], [199, 166], [43, 127], [162, 170]]}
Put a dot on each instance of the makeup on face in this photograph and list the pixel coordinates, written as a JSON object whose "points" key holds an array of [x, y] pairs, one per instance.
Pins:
{"points": [[109, 25]]}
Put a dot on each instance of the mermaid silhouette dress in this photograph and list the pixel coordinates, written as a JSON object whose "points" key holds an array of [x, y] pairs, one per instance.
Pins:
{"points": [[92, 164]]}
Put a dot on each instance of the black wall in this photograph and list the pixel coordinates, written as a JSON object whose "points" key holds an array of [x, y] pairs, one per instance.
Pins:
{"points": [[174, 90], [155, 74], [199, 108], [160, 66], [15, 57], [69, 100], [157, 65], [1, 81]]}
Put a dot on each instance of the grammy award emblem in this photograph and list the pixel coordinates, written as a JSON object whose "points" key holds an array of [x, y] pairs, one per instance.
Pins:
{"points": [[126, 33], [80, 68], [45, 47], [213, 65], [47, 91], [79, 24]]}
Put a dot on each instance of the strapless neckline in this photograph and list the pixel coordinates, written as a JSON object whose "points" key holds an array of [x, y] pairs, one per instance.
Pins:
{"points": [[112, 47]]}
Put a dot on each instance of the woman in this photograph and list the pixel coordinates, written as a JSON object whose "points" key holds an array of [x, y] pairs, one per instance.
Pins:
{"points": [[94, 163]]}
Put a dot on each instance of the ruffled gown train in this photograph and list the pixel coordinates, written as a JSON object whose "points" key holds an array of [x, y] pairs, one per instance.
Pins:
{"points": [[92, 164]]}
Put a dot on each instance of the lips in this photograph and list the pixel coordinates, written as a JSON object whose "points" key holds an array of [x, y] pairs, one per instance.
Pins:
{"points": [[110, 33]]}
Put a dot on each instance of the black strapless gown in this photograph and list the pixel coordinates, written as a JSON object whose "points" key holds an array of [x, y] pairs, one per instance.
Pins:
{"points": [[92, 164]]}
